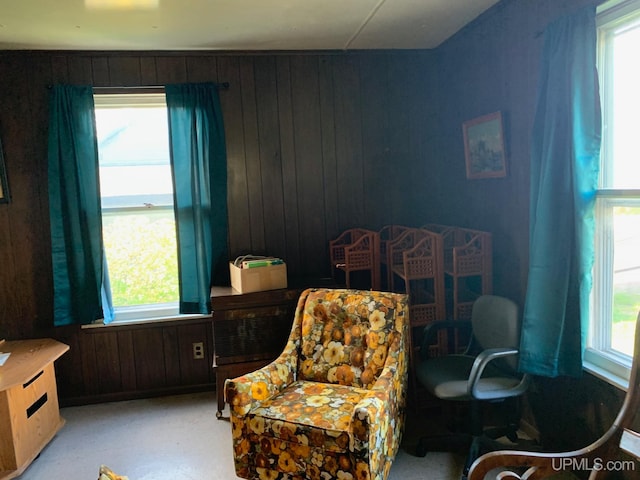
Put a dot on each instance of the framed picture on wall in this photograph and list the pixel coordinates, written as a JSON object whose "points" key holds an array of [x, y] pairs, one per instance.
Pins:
{"points": [[484, 147], [4, 185]]}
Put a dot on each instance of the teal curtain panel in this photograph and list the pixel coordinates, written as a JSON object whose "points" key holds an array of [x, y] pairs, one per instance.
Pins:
{"points": [[565, 151], [198, 158], [77, 255]]}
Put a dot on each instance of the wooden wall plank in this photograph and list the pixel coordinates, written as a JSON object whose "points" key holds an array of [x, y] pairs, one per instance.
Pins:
{"points": [[24, 216], [378, 175], [80, 70], [100, 71], [69, 374], [108, 361], [407, 90], [209, 357], [149, 358], [305, 93], [148, 72], [349, 160], [124, 71], [270, 156], [88, 364], [328, 130], [202, 69], [37, 101], [11, 256], [293, 256], [172, 358], [127, 361], [171, 69], [239, 234], [59, 65], [252, 156]]}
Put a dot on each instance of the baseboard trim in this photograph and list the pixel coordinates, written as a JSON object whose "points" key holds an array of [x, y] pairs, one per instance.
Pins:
{"points": [[134, 395]]}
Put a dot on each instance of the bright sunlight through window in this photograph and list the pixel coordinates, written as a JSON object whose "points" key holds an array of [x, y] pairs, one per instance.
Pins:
{"points": [[137, 204], [616, 288]]}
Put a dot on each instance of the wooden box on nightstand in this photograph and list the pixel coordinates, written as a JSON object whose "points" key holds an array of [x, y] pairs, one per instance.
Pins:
{"points": [[29, 413]]}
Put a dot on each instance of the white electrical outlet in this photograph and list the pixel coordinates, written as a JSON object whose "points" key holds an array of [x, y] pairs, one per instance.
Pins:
{"points": [[198, 350]]}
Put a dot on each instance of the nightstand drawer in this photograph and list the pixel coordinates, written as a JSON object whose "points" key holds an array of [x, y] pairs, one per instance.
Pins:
{"points": [[34, 414]]}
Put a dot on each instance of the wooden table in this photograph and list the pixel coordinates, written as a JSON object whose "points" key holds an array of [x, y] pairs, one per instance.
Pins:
{"points": [[29, 412], [249, 331]]}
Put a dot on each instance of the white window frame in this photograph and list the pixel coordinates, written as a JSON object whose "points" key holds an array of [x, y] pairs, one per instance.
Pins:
{"points": [[150, 312], [610, 365]]}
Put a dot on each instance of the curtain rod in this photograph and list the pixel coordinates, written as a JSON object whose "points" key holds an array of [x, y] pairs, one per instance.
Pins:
{"points": [[223, 86]]}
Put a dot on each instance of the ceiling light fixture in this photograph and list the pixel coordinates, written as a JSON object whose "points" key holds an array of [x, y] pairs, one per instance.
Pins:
{"points": [[121, 4]]}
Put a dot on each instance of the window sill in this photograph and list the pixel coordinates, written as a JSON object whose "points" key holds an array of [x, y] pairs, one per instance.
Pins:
{"points": [[605, 375], [144, 321]]}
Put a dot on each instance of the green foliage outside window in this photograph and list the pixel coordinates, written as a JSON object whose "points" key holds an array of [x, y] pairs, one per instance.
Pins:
{"points": [[626, 285], [145, 240]]}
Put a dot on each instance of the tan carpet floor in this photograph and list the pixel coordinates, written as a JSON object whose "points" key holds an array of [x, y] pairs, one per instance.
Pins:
{"points": [[179, 438]]}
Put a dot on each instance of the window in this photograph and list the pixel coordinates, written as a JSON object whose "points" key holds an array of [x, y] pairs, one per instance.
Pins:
{"points": [[616, 280], [137, 204]]}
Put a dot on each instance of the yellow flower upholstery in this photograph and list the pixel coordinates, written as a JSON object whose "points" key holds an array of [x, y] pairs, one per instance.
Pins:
{"points": [[331, 406]]}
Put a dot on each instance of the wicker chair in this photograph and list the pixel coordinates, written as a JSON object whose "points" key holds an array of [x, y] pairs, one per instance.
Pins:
{"points": [[388, 234], [611, 449], [332, 404], [415, 260], [356, 249], [467, 266]]}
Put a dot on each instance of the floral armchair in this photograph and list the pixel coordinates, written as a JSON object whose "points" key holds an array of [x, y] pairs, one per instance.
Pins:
{"points": [[331, 406]]}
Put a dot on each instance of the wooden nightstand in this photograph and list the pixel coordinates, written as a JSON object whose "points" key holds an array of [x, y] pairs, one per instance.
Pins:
{"points": [[249, 331], [29, 412]]}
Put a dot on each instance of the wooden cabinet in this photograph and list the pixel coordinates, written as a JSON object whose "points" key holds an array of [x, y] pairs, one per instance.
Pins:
{"points": [[249, 331], [29, 413]]}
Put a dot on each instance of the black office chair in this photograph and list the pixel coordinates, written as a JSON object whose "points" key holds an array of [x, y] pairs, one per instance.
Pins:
{"points": [[485, 372]]}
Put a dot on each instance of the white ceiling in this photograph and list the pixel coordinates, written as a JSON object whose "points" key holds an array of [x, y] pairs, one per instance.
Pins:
{"points": [[233, 24]]}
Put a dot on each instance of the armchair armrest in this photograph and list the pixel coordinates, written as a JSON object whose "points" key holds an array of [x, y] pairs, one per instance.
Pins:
{"points": [[378, 419], [479, 365], [250, 390]]}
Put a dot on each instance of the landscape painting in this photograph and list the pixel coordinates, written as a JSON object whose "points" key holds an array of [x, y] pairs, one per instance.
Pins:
{"points": [[484, 147]]}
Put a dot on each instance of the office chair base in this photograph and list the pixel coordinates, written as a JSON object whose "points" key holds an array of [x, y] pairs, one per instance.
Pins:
{"points": [[443, 443]]}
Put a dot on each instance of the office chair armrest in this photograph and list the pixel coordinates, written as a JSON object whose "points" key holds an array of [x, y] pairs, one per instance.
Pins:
{"points": [[430, 331], [479, 365], [248, 391]]}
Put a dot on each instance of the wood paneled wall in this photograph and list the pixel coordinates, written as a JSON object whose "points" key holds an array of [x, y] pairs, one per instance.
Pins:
{"points": [[123, 362], [316, 143]]}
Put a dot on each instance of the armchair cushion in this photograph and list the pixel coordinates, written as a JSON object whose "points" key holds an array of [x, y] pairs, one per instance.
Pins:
{"points": [[342, 345], [332, 405]]}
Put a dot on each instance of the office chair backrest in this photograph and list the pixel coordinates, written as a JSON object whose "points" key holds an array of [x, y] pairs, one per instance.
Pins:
{"points": [[496, 324]]}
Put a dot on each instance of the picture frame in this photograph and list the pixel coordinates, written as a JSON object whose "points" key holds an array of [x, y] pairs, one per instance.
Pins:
{"points": [[484, 147], [4, 184]]}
